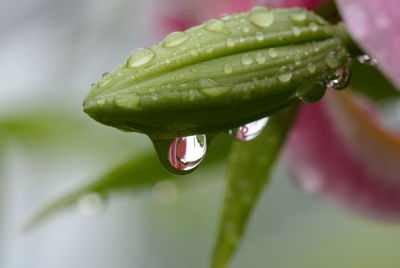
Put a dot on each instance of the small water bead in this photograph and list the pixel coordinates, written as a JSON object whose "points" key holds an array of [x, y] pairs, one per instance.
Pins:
{"points": [[311, 67], [367, 60], [246, 59], [209, 49], [224, 16], [332, 60], [249, 131], [91, 204], [260, 36], [216, 26], [313, 26], [297, 59], [104, 74], [311, 92], [245, 29], [230, 43], [176, 39], [194, 52], [261, 17], [272, 53], [186, 153], [140, 57], [340, 80], [298, 15], [227, 68], [130, 101], [260, 58], [296, 31], [284, 74], [101, 101]]}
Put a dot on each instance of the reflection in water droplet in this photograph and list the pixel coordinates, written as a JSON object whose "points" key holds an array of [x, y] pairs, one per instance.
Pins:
{"points": [[260, 58], [186, 153], [175, 39], [332, 60], [272, 53], [367, 60], [313, 26], [284, 74], [261, 17], [164, 192], [311, 92], [249, 131], [296, 31], [340, 79], [260, 36], [90, 204], [140, 57], [230, 43], [298, 15], [216, 26], [246, 59], [227, 68]]}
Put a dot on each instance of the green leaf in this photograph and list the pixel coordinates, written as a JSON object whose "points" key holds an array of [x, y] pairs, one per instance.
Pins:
{"points": [[250, 166], [140, 172]]}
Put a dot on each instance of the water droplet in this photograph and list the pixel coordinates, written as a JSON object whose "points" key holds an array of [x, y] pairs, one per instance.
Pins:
{"points": [[260, 36], [246, 59], [224, 16], [296, 31], [332, 60], [313, 26], [311, 67], [154, 96], [230, 43], [272, 53], [186, 153], [205, 82], [297, 59], [245, 29], [311, 92], [227, 68], [194, 52], [164, 192], [104, 74], [298, 15], [140, 57], [176, 39], [101, 101], [130, 101], [92, 84], [367, 60], [261, 17], [284, 74], [209, 49], [249, 131], [216, 26], [260, 58], [340, 79], [91, 204]]}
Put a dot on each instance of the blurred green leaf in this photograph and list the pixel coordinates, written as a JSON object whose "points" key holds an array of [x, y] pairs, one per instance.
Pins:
{"points": [[370, 82], [250, 166], [140, 172]]}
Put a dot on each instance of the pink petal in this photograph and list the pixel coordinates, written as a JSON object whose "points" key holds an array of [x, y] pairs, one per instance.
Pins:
{"points": [[375, 25], [337, 150], [309, 4]]}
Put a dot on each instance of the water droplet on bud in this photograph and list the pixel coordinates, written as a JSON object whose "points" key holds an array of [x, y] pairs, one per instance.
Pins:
{"points": [[176, 39], [367, 60], [261, 17], [249, 131], [140, 57]]}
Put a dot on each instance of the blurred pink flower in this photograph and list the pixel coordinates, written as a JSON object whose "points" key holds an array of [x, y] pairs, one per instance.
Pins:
{"points": [[337, 147]]}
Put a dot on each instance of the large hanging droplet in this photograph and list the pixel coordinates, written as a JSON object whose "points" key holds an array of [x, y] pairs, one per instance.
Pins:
{"points": [[186, 153], [340, 79], [311, 92], [367, 60], [176, 39], [249, 131], [140, 57]]}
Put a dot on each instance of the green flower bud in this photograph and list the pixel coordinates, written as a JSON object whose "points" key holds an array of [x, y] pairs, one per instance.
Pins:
{"points": [[219, 75]]}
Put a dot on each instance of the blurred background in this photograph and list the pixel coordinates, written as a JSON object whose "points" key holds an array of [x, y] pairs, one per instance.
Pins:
{"points": [[50, 53]]}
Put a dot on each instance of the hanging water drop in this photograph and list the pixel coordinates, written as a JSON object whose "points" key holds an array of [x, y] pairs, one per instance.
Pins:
{"points": [[311, 92], [367, 60], [340, 79], [90, 204], [176, 39], [249, 131], [140, 57], [186, 153]]}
